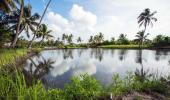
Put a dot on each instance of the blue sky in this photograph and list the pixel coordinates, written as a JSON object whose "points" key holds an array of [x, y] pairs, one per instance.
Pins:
{"points": [[111, 17]]}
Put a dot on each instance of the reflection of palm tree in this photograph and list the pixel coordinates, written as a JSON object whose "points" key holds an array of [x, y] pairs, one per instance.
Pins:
{"points": [[122, 54], [157, 55], [141, 74], [42, 68], [99, 54], [112, 52], [68, 53], [80, 51]]}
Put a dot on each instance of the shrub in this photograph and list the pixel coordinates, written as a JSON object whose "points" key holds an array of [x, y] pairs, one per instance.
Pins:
{"points": [[83, 88]]}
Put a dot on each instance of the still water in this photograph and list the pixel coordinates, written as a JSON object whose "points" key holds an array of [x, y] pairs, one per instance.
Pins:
{"points": [[56, 67]]}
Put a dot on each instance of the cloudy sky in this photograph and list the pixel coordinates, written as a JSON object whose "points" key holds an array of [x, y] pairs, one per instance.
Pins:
{"points": [[111, 17]]}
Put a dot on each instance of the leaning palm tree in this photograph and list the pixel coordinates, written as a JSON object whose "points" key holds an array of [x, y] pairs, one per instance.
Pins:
{"points": [[29, 46], [8, 5], [146, 18], [44, 33], [19, 23], [28, 21], [141, 37]]}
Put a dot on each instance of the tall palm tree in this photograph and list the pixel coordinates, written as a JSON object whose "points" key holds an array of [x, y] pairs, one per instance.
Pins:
{"points": [[19, 22], [79, 40], [44, 33], [146, 18], [29, 46], [141, 37], [28, 21], [8, 5]]}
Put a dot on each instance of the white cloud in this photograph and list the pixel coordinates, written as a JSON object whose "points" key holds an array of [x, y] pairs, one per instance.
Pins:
{"points": [[80, 16], [79, 21]]}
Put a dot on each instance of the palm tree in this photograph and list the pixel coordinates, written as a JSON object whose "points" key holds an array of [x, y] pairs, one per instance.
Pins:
{"points": [[91, 39], [28, 21], [146, 17], [113, 40], [101, 37], [29, 46], [70, 39], [64, 38], [44, 33], [141, 37], [79, 40], [7, 5], [19, 22]]}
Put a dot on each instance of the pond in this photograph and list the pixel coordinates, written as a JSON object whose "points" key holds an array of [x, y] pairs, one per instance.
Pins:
{"points": [[56, 67]]}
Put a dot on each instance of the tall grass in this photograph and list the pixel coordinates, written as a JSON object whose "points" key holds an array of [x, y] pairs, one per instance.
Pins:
{"points": [[9, 55]]}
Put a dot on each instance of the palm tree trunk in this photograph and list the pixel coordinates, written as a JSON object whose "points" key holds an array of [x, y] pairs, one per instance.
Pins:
{"points": [[30, 45], [18, 26]]}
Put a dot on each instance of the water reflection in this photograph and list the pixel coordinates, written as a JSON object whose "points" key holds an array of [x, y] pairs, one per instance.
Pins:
{"points": [[56, 67], [36, 69], [97, 54], [140, 72], [67, 53], [122, 54]]}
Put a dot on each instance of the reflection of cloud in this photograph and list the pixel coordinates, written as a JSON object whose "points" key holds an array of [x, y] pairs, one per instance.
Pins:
{"points": [[82, 67], [60, 68], [85, 68]]}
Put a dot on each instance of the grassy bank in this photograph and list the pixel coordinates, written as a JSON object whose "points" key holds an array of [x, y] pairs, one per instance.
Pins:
{"points": [[10, 55], [124, 46]]}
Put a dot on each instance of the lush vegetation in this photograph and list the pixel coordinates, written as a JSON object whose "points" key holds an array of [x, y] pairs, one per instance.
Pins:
{"points": [[9, 55], [16, 18], [85, 87]]}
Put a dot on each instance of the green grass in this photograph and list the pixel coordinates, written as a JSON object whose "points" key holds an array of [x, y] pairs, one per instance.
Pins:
{"points": [[123, 46], [9, 55], [84, 87]]}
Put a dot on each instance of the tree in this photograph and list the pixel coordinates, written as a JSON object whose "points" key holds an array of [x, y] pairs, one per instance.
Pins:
{"points": [[28, 21], [123, 39], [113, 40], [19, 22], [146, 18], [141, 37], [29, 46], [44, 33], [101, 37], [7, 5], [79, 40], [70, 38], [64, 38], [91, 39]]}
